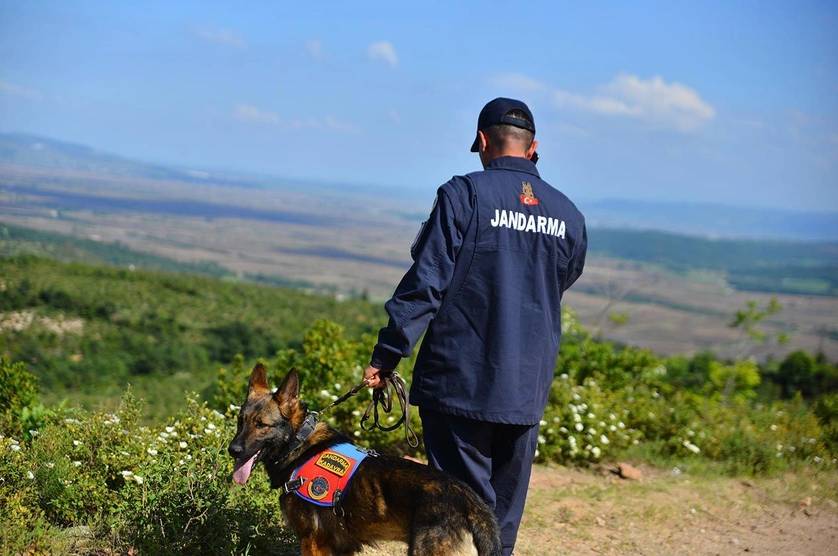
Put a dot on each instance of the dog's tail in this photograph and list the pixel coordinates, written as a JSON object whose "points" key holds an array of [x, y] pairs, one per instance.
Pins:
{"points": [[483, 526]]}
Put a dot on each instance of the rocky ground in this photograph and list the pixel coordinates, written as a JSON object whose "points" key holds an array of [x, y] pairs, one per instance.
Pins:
{"points": [[672, 512]]}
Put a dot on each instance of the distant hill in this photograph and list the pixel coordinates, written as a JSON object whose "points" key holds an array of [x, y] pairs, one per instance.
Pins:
{"points": [[43, 152], [749, 265], [17, 240], [712, 220], [35, 151], [702, 219]]}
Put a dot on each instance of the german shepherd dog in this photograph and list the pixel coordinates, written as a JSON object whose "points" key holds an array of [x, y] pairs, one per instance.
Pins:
{"points": [[389, 498]]}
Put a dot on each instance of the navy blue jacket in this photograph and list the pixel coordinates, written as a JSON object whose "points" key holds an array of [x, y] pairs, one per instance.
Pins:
{"points": [[490, 266]]}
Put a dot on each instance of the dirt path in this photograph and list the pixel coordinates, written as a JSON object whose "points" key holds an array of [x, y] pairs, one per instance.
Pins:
{"points": [[582, 512]]}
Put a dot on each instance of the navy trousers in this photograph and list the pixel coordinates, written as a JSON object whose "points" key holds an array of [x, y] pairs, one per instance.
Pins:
{"points": [[495, 459]]}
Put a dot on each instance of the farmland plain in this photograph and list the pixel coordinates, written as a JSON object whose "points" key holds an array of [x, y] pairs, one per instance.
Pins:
{"points": [[354, 242]]}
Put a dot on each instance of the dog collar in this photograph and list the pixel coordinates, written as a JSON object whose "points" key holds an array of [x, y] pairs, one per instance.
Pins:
{"points": [[306, 430]]}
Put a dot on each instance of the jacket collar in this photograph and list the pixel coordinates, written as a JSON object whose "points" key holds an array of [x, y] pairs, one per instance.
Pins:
{"points": [[516, 163]]}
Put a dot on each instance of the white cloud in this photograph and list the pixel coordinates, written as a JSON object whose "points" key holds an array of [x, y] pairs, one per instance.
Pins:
{"points": [[654, 101], [315, 49], [383, 51], [11, 89], [339, 125], [224, 37], [574, 130], [518, 82], [598, 104], [251, 114]]}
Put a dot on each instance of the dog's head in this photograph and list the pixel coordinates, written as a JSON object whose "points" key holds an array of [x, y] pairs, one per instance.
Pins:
{"points": [[267, 421]]}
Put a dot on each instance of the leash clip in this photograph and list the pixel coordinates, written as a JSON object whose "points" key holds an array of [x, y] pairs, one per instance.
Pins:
{"points": [[337, 509]]}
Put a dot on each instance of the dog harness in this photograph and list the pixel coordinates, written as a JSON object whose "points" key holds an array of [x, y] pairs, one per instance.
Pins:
{"points": [[324, 477]]}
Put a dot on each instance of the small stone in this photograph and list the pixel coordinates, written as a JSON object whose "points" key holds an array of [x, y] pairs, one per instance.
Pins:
{"points": [[734, 541], [599, 521], [806, 502], [629, 472]]}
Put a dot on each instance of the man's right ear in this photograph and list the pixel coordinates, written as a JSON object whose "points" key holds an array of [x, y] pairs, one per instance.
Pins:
{"points": [[482, 141]]}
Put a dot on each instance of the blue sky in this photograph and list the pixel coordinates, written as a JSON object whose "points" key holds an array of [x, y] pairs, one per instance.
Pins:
{"points": [[732, 102]]}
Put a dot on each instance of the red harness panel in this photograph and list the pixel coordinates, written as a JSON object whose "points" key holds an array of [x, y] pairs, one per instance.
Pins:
{"points": [[327, 473]]}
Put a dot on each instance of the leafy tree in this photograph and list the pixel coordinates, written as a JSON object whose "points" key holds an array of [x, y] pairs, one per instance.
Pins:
{"points": [[690, 373], [739, 379], [748, 320], [227, 340], [797, 373], [801, 372]]}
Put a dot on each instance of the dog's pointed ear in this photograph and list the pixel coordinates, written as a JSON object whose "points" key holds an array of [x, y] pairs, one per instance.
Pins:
{"points": [[258, 384], [289, 391]]}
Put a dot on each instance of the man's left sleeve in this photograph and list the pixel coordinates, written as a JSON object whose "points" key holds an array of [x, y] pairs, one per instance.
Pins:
{"points": [[577, 260], [419, 295]]}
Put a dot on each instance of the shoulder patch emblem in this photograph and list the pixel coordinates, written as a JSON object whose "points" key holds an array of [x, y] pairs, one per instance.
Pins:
{"points": [[527, 197], [318, 488]]}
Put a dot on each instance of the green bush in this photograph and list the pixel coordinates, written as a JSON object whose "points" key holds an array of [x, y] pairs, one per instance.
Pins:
{"points": [[826, 410], [20, 411], [165, 489], [156, 490], [605, 401], [608, 401], [17, 387]]}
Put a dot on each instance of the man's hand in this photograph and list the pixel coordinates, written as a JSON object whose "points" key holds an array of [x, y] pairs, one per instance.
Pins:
{"points": [[372, 378]]}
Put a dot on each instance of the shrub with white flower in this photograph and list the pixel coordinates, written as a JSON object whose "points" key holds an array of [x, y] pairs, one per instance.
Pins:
{"points": [[691, 447], [587, 437]]}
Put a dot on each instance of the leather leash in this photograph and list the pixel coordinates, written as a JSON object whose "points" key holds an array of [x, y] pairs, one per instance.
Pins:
{"points": [[393, 385]]}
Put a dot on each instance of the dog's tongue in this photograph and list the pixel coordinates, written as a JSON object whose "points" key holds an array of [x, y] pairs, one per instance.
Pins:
{"points": [[242, 469]]}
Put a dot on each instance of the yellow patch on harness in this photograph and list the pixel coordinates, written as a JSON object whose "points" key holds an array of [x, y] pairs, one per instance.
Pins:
{"points": [[334, 463]]}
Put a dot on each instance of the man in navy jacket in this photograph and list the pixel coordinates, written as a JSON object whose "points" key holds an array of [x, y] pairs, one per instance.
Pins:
{"points": [[490, 266]]}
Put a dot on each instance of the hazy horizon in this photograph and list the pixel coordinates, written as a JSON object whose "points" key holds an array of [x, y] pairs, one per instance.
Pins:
{"points": [[416, 194]]}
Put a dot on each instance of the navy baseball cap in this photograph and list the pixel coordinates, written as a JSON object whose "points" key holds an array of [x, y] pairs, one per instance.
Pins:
{"points": [[497, 112]]}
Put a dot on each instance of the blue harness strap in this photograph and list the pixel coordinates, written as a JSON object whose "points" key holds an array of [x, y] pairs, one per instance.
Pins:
{"points": [[326, 475]]}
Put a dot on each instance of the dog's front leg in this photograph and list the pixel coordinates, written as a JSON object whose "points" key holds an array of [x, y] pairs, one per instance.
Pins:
{"points": [[312, 546]]}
